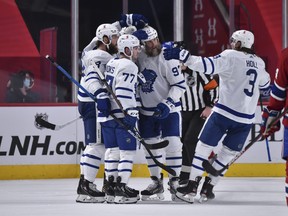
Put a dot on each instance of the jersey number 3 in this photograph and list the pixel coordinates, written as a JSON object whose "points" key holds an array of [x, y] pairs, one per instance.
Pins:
{"points": [[253, 76]]}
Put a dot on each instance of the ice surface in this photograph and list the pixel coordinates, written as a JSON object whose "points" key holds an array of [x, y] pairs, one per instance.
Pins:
{"points": [[234, 197]]}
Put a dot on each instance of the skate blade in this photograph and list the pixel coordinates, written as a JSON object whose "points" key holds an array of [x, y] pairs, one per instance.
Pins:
{"points": [[125, 200], [174, 198], [203, 199], [153, 197], [185, 197], [109, 199], [87, 199]]}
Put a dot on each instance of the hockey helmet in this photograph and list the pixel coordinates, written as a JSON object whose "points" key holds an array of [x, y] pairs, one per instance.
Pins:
{"points": [[107, 30], [245, 37], [151, 32], [128, 41]]}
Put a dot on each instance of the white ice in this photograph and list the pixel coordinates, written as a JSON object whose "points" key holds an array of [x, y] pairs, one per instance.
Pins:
{"points": [[234, 197]]}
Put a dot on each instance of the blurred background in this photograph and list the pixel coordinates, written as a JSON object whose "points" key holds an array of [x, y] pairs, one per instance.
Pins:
{"points": [[31, 29]]}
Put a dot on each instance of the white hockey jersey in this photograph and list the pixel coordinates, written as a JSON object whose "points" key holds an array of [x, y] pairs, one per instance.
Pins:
{"points": [[169, 82], [241, 76], [121, 75], [90, 79]]}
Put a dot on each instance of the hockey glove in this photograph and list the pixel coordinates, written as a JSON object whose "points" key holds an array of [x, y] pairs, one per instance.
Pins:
{"points": [[131, 118], [140, 34], [146, 75], [163, 109], [103, 104], [268, 116], [137, 20], [176, 53]]}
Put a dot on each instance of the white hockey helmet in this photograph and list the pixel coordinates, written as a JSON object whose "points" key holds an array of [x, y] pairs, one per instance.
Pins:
{"points": [[151, 32], [107, 30], [128, 41], [245, 37]]}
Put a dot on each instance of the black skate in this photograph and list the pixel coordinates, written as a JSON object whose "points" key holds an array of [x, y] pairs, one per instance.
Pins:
{"points": [[156, 188], [79, 184], [174, 184], [88, 193], [188, 192], [110, 193], [206, 192], [125, 194], [105, 184]]}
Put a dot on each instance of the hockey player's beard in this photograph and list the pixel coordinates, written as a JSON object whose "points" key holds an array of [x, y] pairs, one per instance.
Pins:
{"points": [[151, 52], [112, 49]]}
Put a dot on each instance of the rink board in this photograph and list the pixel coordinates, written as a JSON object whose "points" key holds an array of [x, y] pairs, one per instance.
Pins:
{"points": [[27, 152]]}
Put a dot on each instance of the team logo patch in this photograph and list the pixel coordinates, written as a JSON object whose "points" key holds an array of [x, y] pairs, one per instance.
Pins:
{"points": [[147, 87], [190, 81]]}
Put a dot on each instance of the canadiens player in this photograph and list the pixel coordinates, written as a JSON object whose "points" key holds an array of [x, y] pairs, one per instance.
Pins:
{"points": [[121, 75], [162, 86], [241, 75], [278, 100]]}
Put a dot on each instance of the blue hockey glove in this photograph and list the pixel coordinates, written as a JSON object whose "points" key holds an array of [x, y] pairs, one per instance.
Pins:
{"points": [[146, 75], [131, 118], [163, 109], [267, 117], [140, 34], [137, 20], [103, 103], [176, 53]]}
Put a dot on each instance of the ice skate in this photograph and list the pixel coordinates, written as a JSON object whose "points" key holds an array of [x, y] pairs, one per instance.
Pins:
{"points": [[110, 193], [155, 190], [207, 191], [174, 184], [88, 193], [188, 192], [79, 184], [125, 194]]}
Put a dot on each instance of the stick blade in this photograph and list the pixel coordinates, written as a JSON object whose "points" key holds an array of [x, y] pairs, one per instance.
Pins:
{"points": [[158, 145], [209, 168], [45, 124]]}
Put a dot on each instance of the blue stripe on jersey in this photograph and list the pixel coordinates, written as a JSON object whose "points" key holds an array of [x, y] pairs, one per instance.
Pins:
{"points": [[125, 89], [91, 156], [278, 92], [179, 84], [177, 104], [265, 85], [123, 96], [90, 165], [204, 64], [92, 78], [92, 72], [82, 94], [233, 112], [212, 64]]}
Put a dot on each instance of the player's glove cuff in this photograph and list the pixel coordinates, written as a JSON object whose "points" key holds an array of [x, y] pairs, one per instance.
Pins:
{"points": [[184, 55]]}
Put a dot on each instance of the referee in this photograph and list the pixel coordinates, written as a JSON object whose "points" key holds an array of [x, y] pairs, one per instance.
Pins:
{"points": [[197, 102]]}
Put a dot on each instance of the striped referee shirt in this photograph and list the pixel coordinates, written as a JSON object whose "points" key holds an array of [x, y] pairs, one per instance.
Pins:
{"points": [[201, 91]]}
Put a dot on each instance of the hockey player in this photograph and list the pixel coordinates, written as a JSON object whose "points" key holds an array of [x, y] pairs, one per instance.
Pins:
{"points": [[121, 74], [105, 43], [160, 117], [99, 51], [241, 75], [278, 100]]}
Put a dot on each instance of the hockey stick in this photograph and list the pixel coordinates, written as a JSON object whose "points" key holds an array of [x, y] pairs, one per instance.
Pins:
{"points": [[210, 169], [134, 133], [137, 136], [266, 139], [45, 124]]}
